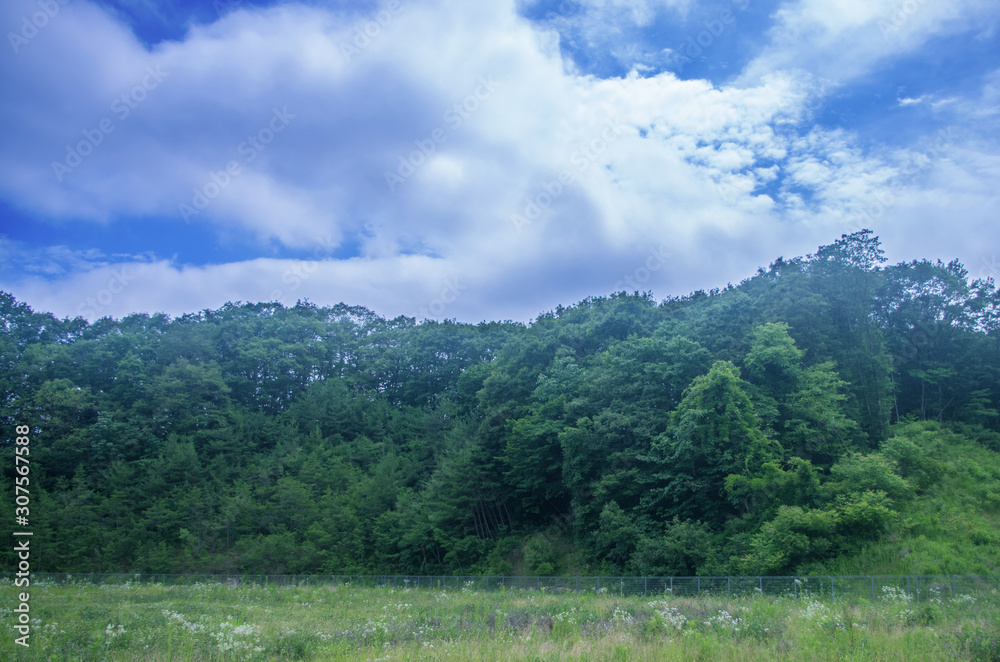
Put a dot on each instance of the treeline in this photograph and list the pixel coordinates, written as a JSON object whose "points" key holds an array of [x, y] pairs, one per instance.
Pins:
{"points": [[767, 427]]}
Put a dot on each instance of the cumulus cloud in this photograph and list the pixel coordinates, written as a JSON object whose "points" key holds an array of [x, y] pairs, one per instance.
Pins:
{"points": [[477, 175]]}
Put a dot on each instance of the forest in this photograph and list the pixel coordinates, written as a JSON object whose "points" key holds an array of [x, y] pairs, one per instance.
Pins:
{"points": [[830, 413]]}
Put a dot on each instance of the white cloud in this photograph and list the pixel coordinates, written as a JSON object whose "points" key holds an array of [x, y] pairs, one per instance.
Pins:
{"points": [[839, 41], [610, 27], [725, 178]]}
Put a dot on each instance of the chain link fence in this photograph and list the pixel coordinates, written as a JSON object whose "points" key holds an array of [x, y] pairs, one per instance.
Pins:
{"points": [[855, 588]]}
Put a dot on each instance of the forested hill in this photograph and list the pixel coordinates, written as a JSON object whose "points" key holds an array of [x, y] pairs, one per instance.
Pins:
{"points": [[831, 412]]}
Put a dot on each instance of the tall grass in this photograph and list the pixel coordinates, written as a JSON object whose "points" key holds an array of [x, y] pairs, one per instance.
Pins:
{"points": [[209, 622], [951, 526]]}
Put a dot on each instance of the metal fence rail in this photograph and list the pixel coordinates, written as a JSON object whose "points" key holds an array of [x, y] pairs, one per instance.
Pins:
{"points": [[863, 587]]}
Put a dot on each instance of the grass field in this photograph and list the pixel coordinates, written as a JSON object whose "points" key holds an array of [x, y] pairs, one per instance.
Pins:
{"points": [[343, 622]]}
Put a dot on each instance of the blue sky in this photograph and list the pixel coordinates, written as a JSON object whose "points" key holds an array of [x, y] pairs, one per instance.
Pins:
{"points": [[489, 160]]}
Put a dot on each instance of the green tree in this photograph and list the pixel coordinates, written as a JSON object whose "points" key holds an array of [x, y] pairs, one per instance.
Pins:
{"points": [[715, 432], [803, 406], [679, 551]]}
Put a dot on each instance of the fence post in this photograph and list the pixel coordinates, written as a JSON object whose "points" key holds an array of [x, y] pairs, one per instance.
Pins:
{"points": [[760, 584], [598, 584], [917, 580], [577, 584], [729, 587], [953, 591], [832, 592], [645, 586], [699, 585], [795, 588], [873, 589], [671, 586]]}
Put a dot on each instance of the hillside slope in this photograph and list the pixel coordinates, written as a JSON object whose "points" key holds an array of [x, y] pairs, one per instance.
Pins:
{"points": [[830, 413]]}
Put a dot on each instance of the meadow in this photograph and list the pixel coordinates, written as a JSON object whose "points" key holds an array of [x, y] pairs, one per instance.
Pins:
{"points": [[222, 622]]}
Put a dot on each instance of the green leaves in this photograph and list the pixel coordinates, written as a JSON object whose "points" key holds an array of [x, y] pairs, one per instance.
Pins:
{"points": [[794, 536], [714, 432], [773, 356], [750, 422], [678, 552], [797, 535], [867, 472], [804, 406], [534, 458]]}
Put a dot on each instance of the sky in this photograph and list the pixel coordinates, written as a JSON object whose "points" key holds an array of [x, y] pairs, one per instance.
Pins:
{"points": [[488, 160]]}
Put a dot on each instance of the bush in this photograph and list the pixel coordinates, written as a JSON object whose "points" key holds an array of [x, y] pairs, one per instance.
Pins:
{"points": [[858, 473], [541, 557], [863, 517], [794, 536], [678, 552], [913, 460]]}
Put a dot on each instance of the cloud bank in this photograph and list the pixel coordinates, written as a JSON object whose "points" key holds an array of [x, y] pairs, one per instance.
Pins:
{"points": [[448, 159]]}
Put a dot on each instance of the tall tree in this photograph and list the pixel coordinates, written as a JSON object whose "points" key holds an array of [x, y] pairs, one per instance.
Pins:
{"points": [[714, 433]]}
